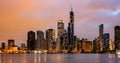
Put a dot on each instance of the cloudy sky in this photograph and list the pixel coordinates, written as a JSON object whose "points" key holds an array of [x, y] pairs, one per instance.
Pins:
{"points": [[17, 17]]}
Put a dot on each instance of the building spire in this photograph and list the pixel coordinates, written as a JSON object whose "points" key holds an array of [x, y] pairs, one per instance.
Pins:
{"points": [[71, 7]]}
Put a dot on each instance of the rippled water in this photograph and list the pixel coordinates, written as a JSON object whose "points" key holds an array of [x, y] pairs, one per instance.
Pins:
{"points": [[59, 58]]}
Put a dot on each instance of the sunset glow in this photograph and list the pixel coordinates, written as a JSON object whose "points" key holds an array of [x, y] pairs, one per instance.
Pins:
{"points": [[17, 17]]}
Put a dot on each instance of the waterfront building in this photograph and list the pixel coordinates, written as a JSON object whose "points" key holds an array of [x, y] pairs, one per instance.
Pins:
{"points": [[40, 40], [111, 46], [11, 43], [101, 31], [117, 37], [86, 46], [50, 38], [71, 31], [3, 45], [97, 45], [106, 39], [23, 47], [31, 45], [60, 28]]}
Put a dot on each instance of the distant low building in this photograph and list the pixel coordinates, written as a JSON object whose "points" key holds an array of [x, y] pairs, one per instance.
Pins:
{"points": [[97, 45], [86, 46], [11, 43]]}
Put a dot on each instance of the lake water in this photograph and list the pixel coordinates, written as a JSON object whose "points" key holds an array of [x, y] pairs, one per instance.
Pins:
{"points": [[59, 58]]}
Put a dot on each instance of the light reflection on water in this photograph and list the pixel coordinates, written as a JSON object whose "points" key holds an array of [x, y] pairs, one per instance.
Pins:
{"points": [[59, 58]]}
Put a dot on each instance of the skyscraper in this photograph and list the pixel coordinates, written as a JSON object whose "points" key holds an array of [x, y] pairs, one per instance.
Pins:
{"points": [[60, 28], [64, 42], [11, 43], [50, 39], [117, 37], [71, 30], [97, 45], [40, 40], [101, 31], [31, 41], [60, 33], [106, 39]]}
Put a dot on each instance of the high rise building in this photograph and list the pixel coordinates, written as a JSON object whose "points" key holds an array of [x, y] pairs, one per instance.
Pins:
{"points": [[117, 37], [97, 45], [3, 45], [60, 28], [101, 31], [60, 33], [106, 39], [50, 39], [86, 45], [112, 45], [23, 47], [11, 43], [71, 30], [31, 40], [64, 42], [40, 40]]}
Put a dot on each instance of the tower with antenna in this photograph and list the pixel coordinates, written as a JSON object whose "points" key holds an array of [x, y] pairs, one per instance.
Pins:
{"points": [[71, 30]]}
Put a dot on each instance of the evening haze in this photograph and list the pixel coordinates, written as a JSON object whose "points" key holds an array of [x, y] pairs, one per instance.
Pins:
{"points": [[17, 17]]}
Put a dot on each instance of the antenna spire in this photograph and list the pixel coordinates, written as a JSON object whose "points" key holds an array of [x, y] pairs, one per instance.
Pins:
{"points": [[71, 7]]}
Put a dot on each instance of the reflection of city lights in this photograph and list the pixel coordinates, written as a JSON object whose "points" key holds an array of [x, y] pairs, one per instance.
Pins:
{"points": [[0, 51], [0, 58], [45, 51], [45, 58], [110, 56], [118, 53], [39, 52], [118, 56], [35, 51]]}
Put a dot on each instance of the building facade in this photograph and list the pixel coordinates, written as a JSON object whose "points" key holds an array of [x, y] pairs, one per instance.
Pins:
{"points": [[71, 31], [40, 40], [31, 45], [106, 39], [50, 39], [11, 43], [117, 37], [60, 29]]}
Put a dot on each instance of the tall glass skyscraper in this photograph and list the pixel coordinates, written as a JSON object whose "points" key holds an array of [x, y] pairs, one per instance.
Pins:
{"points": [[71, 30], [60, 29], [50, 38], [117, 37], [40, 40], [31, 41]]}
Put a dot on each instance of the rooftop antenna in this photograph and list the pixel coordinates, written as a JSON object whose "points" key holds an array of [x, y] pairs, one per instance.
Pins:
{"points": [[71, 7]]}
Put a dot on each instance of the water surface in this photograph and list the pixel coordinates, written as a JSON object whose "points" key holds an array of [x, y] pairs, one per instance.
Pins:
{"points": [[59, 58]]}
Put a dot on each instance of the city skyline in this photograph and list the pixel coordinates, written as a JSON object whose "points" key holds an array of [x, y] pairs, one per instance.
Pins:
{"points": [[31, 19]]}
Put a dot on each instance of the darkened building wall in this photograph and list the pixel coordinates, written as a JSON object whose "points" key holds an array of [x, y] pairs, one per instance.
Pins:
{"points": [[50, 38], [3, 45], [40, 40], [106, 39], [117, 37], [11, 43], [31, 41]]}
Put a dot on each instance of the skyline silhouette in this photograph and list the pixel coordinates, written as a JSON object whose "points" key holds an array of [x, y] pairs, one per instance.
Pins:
{"points": [[19, 17]]}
